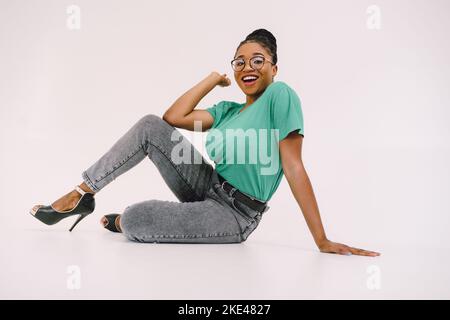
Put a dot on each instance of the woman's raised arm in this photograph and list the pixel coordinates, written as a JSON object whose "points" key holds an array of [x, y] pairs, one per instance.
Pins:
{"points": [[182, 114]]}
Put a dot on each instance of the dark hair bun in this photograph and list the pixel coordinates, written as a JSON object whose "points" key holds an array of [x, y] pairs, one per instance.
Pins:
{"points": [[262, 33]]}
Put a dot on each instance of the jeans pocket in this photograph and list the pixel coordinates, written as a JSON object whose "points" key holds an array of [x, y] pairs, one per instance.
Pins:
{"points": [[242, 211]]}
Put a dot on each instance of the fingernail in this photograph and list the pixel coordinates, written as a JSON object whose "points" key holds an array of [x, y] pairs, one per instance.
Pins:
{"points": [[348, 253]]}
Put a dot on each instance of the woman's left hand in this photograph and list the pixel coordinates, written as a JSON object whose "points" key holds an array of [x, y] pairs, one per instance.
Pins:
{"points": [[333, 247]]}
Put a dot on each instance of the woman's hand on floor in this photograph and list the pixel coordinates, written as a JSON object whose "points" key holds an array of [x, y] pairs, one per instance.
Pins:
{"points": [[328, 246]]}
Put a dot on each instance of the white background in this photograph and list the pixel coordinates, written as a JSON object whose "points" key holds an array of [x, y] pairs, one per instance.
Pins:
{"points": [[376, 147]]}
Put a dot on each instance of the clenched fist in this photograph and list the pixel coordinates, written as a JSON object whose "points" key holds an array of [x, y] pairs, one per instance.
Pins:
{"points": [[222, 79]]}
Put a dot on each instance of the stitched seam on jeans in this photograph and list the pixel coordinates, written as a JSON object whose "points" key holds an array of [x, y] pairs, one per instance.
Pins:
{"points": [[89, 181], [158, 236], [242, 214], [220, 204], [176, 169], [232, 207], [114, 169]]}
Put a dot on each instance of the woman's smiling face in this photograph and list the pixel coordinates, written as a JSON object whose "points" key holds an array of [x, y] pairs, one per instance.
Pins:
{"points": [[265, 74]]}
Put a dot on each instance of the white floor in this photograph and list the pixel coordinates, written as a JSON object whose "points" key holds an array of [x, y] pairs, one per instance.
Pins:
{"points": [[377, 148], [49, 262]]}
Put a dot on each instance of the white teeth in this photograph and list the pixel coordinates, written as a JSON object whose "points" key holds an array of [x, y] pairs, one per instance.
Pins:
{"points": [[250, 78]]}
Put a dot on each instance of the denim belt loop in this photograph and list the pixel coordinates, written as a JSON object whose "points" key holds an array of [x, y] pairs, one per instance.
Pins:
{"points": [[232, 191], [221, 185]]}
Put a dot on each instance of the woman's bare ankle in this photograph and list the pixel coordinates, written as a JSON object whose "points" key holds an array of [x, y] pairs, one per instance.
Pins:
{"points": [[85, 187]]}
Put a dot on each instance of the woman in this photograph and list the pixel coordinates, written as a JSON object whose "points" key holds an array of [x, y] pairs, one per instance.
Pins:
{"points": [[217, 205]]}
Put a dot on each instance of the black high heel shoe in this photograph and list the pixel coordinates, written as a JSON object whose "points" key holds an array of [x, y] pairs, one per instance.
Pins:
{"points": [[111, 225], [49, 216]]}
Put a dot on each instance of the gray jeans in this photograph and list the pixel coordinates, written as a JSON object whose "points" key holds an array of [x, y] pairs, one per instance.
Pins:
{"points": [[206, 213]]}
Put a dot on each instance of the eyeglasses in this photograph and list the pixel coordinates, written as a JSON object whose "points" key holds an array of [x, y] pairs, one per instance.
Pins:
{"points": [[256, 63]]}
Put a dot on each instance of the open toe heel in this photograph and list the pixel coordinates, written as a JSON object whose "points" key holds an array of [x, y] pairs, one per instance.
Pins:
{"points": [[50, 216], [111, 224]]}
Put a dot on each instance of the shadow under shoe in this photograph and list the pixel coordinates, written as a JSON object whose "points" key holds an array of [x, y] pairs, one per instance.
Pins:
{"points": [[50, 216]]}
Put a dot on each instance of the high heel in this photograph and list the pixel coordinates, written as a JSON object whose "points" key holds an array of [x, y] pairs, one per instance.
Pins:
{"points": [[111, 222], [50, 216]]}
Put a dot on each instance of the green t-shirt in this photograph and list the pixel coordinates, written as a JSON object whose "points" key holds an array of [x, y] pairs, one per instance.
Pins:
{"points": [[241, 143]]}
